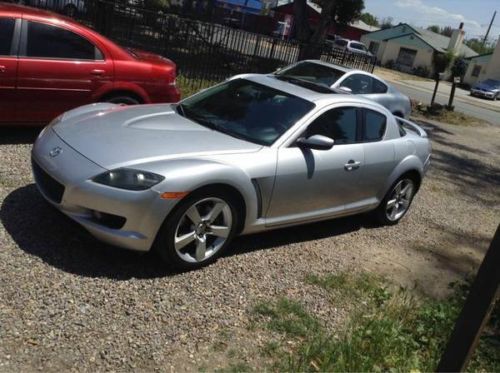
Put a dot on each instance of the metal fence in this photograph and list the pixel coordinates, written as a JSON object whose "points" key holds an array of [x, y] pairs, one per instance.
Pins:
{"points": [[205, 52]]}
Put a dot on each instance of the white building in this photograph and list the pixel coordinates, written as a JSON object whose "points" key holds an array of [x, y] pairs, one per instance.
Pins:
{"points": [[486, 66]]}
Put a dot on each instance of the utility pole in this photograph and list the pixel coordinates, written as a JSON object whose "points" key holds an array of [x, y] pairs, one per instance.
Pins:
{"points": [[489, 28]]}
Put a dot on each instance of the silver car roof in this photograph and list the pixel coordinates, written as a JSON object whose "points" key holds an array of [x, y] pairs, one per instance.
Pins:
{"points": [[320, 99]]}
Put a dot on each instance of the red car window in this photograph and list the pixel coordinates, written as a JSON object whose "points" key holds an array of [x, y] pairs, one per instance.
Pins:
{"points": [[6, 32], [54, 42]]}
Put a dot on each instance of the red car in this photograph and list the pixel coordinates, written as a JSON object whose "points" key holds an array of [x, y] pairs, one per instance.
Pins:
{"points": [[50, 64]]}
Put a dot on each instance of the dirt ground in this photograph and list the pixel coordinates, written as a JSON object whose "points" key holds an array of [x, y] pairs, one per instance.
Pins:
{"points": [[69, 302]]}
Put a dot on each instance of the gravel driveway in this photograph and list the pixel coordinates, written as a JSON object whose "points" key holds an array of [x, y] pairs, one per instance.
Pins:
{"points": [[70, 302]]}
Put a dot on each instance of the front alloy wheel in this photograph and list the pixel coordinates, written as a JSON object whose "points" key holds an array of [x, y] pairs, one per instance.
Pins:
{"points": [[198, 230], [203, 230]]}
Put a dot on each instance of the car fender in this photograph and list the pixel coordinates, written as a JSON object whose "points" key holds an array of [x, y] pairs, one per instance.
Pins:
{"points": [[86, 111], [188, 175], [409, 163]]}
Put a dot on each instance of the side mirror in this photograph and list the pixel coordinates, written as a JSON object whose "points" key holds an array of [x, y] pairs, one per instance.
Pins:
{"points": [[318, 142], [346, 89]]}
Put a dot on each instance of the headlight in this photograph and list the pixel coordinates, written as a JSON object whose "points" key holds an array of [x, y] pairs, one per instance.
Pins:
{"points": [[126, 178]]}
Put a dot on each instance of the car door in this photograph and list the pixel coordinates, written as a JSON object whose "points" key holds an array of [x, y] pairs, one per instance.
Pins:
{"points": [[8, 69], [310, 182], [380, 158], [58, 70]]}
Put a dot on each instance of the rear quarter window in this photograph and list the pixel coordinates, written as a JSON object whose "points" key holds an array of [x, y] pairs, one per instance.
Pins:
{"points": [[374, 126], [379, 87]]}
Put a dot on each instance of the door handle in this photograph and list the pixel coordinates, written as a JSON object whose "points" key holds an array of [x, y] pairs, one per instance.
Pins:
{"points": [[352, 165], [2, 69], [97, 72]]}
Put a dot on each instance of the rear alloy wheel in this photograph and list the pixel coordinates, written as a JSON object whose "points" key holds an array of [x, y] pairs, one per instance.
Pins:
{"points": [[397, 202], [198, 231]]}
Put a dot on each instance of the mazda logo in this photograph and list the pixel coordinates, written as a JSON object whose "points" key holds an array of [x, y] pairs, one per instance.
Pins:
{"points": [[55, 152]]}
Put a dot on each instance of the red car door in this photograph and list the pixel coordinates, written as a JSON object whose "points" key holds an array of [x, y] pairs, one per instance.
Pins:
{"points": [[8, 71], [58, 71]]}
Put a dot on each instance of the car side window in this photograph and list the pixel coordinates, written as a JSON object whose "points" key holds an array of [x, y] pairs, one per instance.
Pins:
{"points": [[54, 42], [337, 124], [374, 126], [358, 83], [378, 86], [6, 33]]}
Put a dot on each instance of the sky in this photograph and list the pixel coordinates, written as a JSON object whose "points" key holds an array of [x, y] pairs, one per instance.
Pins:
{"points": [[476, 14]]}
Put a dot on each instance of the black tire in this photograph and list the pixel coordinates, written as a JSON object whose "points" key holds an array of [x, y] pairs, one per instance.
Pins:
{"points": [[381, 214], [122, 99], [164, 243]]}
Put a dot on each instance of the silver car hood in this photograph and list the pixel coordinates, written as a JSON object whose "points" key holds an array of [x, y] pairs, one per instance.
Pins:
{"points": [[116, 136]]}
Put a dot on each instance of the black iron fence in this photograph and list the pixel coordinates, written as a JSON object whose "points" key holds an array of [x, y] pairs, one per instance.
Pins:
{"points": [[205, 52]]}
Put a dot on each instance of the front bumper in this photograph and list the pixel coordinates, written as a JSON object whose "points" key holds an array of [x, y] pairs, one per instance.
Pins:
{"points": [[485, 94], [82, 200]]}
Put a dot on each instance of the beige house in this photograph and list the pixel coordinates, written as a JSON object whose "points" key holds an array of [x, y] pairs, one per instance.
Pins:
{"points": [[409, 48], [486, 66]]}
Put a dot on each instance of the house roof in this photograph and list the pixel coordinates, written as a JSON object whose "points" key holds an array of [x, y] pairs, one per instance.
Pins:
{"points": [[359, 24], [440, 42], [436, 41], [480, 56]]}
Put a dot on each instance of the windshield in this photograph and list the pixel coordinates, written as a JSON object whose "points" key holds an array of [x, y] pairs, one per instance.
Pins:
{"points": [[246, 110], [313, 72], [492, 83]]}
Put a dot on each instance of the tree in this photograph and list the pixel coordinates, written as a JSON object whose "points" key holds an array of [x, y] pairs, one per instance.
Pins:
{"points": [[369, 19], [333, 11], [386, 23], [434, 28], [459, 67], [477, 46], [446, 31]]}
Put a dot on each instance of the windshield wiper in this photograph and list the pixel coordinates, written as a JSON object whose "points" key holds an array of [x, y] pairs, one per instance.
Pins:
{"points": [[317, 87]]}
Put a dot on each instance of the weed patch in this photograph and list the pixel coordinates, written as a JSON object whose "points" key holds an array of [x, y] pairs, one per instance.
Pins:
{"points": [[389, 330]]}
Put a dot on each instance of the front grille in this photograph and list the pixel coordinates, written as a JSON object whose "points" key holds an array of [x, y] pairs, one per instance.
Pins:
{"points": [[53, 189]]}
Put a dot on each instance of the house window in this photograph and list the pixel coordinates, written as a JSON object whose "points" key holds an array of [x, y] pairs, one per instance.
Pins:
{"points": [[406, 57], [476, 70], [373, 47]]}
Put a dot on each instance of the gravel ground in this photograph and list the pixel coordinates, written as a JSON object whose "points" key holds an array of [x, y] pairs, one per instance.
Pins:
{"points": [[69, 302]]}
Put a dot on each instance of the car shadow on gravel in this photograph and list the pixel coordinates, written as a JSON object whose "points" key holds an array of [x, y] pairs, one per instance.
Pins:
{"points": [[16, 135], [40, 230], [301, 233]]}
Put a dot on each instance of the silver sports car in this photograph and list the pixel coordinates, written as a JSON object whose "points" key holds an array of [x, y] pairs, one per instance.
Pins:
{"points": [[353, 81], [251, 154]]}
